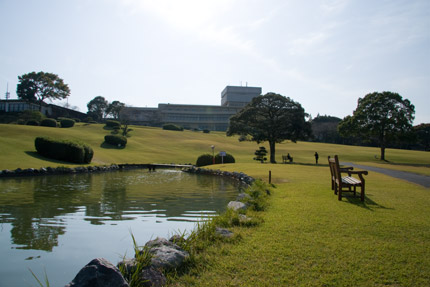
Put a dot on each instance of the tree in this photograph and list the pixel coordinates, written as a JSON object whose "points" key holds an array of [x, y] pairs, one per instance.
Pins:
{"points": [[383, 117], [37, 87], [260, 154], [97, 107], [422, 133], [273, 118], [114, 109]]}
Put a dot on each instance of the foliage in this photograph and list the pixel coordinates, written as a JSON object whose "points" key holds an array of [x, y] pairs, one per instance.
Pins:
{"points": [[32, 123], [114, 109], [207, 159], [273, 118], [31, 115], [48, 122], [116, 140], [260, 154], [324, 129], [37, 87], [67, 123], [66, 150], [172, 127], [113, 124], [97, 108], [382, 117], [422, 133], [205, 131]]}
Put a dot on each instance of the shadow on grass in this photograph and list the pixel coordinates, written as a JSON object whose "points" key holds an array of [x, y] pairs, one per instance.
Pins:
{"points": [[109, 146], [305, 164], [41, 157], [368, 203]]}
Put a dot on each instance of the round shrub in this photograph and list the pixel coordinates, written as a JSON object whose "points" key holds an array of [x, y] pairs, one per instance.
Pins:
{"points": [[206, 131], [66, 150], [113, 124], [172, 127], [32, 123], [206, 159], [116, 140], [49, 123], [67, 123]]}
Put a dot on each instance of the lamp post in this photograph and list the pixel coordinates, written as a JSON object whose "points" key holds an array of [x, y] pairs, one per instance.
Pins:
{"points": [[213, 154]]}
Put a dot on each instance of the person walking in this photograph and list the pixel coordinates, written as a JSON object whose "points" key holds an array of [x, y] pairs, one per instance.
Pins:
{"points": [[316, 157]]}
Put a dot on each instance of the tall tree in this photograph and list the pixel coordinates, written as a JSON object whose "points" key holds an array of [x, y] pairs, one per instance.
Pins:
{"points": [[273, 118], [422, 133], [114, 109], [97, 107], [383, 117], [37, 87]]}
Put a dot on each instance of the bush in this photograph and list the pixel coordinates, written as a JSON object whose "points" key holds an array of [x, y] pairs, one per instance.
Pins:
{"points": [[49, 123], [116, 140], [113, 124], [172, 127], [66, 150], [31, 115], [67, 123], [206, 131], [32, 123], [206, 159]]}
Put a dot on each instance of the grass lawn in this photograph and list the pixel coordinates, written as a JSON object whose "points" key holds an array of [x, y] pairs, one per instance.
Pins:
{"points": [[308, 237]]}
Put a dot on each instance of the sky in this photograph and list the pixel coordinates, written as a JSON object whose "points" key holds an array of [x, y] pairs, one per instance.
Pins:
{"points": [[324, 54]]}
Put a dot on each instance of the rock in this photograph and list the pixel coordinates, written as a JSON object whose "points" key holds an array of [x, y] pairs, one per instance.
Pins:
{"points": [[223, 232], [99, 272], [242, 196], [166, 254], [237, 205], [149, 276]]}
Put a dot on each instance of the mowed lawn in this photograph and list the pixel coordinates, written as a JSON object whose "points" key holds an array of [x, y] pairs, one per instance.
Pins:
{"points": [[308, 237]]}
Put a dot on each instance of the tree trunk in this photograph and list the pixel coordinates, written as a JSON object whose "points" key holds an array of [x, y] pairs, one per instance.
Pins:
{"points": [[272, 152], [382, 152]]}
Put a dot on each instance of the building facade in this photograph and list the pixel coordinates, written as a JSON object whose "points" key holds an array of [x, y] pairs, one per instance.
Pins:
{"points": [[215, 118]]}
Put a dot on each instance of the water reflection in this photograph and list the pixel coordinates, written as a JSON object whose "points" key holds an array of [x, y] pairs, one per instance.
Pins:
{"points": [[37, 208]]}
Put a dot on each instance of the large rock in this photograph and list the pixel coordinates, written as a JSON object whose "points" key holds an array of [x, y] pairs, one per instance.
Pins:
{"points": [[237, 205], [148, 277], [98, 273], [166, 254]]}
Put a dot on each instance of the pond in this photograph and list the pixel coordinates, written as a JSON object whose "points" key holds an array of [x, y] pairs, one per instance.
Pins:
{"points": [[58, 224]]}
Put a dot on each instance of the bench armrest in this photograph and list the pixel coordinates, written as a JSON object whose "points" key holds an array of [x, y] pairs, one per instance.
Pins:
{"points": [[365, 172]]}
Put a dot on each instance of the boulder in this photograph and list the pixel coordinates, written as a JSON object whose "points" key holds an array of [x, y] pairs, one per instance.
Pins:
{"points": [[148, 277], [223, 232], [99, 272], [241, 196], [166, 254], [237, 205]]}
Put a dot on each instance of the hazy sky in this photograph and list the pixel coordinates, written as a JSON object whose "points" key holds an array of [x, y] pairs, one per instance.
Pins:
{"points": [[323, 54]]}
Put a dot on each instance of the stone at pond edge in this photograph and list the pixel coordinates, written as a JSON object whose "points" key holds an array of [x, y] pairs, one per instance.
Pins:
{"points": [[99, 272], [149, 276], [223, 232], [236, 205], [166, 254]]}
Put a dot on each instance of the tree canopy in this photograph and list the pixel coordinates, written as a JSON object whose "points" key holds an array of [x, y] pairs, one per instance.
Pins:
{"points": [[272, 118], [37, 87], [383, 117], [114, 109], [97, 107]]}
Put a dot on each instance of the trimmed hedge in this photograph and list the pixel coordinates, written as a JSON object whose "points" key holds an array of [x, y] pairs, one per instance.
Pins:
{"points": [[32, 123], [67, 123], [49, 123], [172, 127], [113, 124], [116, 140], [66, 150], [206, 159]]}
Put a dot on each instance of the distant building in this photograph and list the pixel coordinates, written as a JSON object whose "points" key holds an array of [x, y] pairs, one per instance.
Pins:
{"points": [[215, 118], [49, 110]]}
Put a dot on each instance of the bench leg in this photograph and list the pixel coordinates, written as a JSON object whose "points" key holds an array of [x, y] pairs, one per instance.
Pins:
{"points": [[339, 193], [362, 193]]}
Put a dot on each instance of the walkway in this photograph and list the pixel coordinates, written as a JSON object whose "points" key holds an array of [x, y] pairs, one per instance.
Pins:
{"points": [[423, 180]]}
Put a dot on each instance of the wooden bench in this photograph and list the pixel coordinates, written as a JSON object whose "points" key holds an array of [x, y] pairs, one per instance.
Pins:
{"points": [[348, 183], [286, 158]]}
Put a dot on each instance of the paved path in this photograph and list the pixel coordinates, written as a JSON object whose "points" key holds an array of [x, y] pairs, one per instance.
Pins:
{"points": [[423, 180]]}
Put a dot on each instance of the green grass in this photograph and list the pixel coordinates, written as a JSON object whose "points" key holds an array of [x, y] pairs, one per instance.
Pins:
{"points": [[309, 238], [306, 236]]}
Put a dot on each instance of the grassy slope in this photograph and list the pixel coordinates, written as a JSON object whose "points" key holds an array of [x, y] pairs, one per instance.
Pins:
{"points": [[308, 237], [153, 145]]}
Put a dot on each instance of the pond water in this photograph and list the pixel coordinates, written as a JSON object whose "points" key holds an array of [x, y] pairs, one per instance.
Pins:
{"points": [[58, 224]]}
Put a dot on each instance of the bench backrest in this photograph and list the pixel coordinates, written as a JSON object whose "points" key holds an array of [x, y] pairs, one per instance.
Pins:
{"points": [[335, 168]]}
